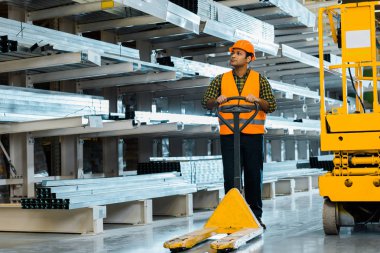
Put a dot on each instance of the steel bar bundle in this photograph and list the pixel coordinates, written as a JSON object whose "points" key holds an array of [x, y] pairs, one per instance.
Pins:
{"points": [[23, 104], [79, 193]]}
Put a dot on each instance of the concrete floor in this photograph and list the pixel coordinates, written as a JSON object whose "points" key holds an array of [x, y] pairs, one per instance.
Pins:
{"points": [[293, 225]]}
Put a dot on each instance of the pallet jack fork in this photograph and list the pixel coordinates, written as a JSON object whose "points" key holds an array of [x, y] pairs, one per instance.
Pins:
{"points": [[233, 216]]}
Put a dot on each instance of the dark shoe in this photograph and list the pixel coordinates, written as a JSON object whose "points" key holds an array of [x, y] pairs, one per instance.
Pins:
{"points": [[261, 223]]}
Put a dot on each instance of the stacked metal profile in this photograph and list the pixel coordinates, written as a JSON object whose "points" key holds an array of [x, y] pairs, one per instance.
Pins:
{"points": [[287, 169], [199, 68], [23, 104], [199, 170], [207, 171], [27, 35], [203, 171], [229, 24], [80, 193], [304, 128]]}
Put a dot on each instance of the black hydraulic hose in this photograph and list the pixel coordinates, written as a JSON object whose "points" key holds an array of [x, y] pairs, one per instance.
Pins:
{"points": [[353, 86]]}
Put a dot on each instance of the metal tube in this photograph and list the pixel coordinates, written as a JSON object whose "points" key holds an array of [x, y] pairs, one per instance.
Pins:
{"points": [[361, 171], [237, 168], [372, 160]]}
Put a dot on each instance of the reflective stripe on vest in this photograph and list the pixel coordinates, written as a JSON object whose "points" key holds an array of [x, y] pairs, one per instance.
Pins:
{"points": [[242, 121], [229, 89]]}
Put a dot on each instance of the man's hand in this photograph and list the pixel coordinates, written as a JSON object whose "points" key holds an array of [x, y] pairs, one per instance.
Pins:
{"points": [[221, 99], [264, 105], [251, 98]]}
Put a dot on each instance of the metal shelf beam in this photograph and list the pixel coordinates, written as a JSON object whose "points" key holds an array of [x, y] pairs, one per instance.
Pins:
{"points": [[27, 35], [104, 70], [127, 80], [108, 126], [145, 130], [153, 34], [22, 127], [62, 11], [164, 86], [47, 61], [118, 23]]}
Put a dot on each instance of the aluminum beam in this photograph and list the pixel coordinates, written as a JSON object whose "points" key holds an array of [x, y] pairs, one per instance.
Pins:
{"points": [[199, 130], [164, 86], [118, 23], [301, 44], [149, 130], [296, 9], [112, 126], [290, 7], [235, 3], [229, 24], [153, 34], [182, 17], [25, 104], [23, 127], [74, 185], [103, 191], [272, 122], [216, 59], [128, 80], [147, 192], [166, 11], [281, 73], [199, 68], [280, 32], [63, 11], [317, 5], [305, 58], [271, 60], [27, 35], [262, 12], [187, 43], [329, 49], [301, 57], [115, 10], [295, 37], [47, 61], [295, 65], [282, 21], [203, 51], [81, 73]]}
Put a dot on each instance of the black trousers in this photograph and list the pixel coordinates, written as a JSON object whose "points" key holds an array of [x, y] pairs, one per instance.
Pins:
{"points": [[252, 158]]}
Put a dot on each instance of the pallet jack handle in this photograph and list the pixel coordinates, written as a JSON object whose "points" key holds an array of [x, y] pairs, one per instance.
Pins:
{"points": [[236, 109]]}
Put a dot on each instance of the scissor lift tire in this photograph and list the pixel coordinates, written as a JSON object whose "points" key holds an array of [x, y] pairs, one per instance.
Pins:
{"points": [[330, 218]]}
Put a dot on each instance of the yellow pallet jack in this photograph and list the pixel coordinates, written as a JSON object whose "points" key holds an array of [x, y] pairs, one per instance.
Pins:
{"points": [[233, 216]]}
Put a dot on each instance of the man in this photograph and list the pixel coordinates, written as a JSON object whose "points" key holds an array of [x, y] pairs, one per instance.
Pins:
{"points": [[242, 81]]}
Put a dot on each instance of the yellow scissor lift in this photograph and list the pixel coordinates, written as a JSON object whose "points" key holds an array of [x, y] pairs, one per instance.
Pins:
{"points": [[233, 216], [352, 189]]}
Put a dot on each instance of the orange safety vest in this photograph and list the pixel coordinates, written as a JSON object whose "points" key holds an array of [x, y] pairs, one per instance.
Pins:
{"points": [[229, 89]]}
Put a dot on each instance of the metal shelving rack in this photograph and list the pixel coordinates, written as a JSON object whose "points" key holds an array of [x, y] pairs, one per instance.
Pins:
{"points": [[94, 65]]}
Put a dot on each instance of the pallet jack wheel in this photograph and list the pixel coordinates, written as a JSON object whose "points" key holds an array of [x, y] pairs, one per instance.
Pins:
{"points": [[330, 218], [177, 250], [224, 250]]}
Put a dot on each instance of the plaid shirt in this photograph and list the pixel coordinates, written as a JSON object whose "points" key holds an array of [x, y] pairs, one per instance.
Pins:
{"points": [[213, 90]]}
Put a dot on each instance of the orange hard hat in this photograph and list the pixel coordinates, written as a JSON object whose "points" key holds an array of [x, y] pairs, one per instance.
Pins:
{"points": [[245, 45]]}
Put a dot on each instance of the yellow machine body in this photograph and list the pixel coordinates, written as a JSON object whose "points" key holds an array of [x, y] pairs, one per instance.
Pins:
{"points": [[350, 188], [352, 133], [233, 216]]}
